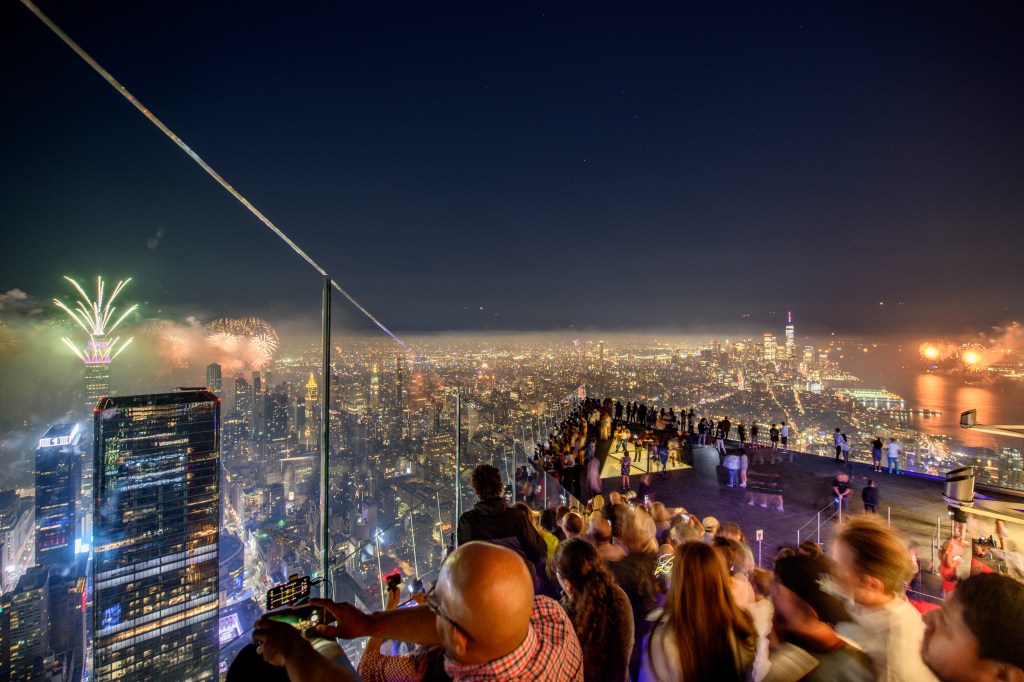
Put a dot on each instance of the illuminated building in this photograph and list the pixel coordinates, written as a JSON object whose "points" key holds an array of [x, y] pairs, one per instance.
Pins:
{"points": [[213, 378], [243, 399], [790, 337], [155, 567], [770, 347], [374, 389], [58, 473], [276, 420], [256, 426], [311, 411], [17, 537], [94, 317], [25, 628]]}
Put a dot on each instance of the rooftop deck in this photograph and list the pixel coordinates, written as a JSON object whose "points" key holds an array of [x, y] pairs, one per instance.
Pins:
{"points": [[911, 502]]}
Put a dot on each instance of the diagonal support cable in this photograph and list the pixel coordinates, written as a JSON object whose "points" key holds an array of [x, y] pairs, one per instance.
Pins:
{"points": [[114, 83]]}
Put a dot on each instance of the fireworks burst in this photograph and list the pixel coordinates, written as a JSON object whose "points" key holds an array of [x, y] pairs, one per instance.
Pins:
{"points": [[929, 351], [94, 317], [248, 341], [973, 359]]}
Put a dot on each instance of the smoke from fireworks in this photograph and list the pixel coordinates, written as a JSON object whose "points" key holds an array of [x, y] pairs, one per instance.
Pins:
{"points": [[978, 353], [249, 342], [236, 344], [94, 317]]}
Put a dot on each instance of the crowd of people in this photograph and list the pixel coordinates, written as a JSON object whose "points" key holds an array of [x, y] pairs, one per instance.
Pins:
{"points": [[627, 589], [621, 591]]}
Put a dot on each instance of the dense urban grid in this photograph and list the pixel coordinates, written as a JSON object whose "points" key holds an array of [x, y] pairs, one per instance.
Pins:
{"points": [[392, 429]]}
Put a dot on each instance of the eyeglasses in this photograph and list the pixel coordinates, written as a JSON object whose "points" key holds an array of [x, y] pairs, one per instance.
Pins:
{"points": [[434, 605]]}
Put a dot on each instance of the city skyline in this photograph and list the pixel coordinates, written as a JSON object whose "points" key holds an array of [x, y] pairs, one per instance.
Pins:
{"points": [[754, 214], [819, 154]]}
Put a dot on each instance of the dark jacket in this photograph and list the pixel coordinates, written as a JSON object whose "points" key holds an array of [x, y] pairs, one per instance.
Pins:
{"points": [[494, 521], [870, 496]]}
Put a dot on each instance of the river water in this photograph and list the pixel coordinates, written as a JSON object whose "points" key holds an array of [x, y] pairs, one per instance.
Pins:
{"points": [[900, 370]]}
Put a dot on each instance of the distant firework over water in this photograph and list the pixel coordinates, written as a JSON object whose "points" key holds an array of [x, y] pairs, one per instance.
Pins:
{"points": [[243, 343]]}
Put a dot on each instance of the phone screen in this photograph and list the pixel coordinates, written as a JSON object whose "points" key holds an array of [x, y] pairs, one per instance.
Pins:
{"points": [[288, 593], [302, 618]]}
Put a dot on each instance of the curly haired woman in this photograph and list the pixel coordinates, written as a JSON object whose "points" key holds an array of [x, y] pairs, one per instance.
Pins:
{"points": [[599, 610]]}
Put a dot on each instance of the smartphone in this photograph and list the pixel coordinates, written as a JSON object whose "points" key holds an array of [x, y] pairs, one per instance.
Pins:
{"points": [[302, 618], [290, 592], [392, 580]]}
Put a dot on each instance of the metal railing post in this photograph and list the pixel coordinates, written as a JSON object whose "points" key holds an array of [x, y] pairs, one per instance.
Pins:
{"points": [[888, 513], [458, 459], [818, 536], [412, 528], [325, 438]]}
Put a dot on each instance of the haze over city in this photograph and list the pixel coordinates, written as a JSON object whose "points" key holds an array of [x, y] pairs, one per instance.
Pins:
{"points": [[798, 220]]}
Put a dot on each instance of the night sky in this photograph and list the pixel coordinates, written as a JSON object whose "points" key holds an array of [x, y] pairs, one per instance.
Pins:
{"points": [[520, 166]]}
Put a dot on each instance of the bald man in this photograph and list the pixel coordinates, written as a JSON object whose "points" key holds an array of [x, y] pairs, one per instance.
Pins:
{"points": [[482, 611]]}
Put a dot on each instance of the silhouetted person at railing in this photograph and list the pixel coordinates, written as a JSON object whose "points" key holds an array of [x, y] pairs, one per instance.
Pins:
{"points": [[726, 426], [641, 414], [870, 497], [493, 521], [599, 610], [976, 636], [893, 452]]}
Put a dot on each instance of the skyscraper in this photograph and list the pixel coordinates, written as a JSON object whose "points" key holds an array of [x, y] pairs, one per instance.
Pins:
{"points": [[95, 318], [58, 474], [257, 425], [276, 408], [790, 337], [770, 347], [311, 419], [374, 389], [155, 568], [25, 628], [213, 378]]}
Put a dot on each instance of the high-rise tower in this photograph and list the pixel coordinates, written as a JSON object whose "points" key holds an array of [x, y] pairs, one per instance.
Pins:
{"points": [[213, 378], [94, 317], [155, 568], [58, 476], [790, 337], [770, 347]]}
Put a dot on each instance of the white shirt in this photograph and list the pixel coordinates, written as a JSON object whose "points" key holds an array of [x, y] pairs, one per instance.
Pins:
{"points": [[785, 432], [893, 448], [891, 636]]}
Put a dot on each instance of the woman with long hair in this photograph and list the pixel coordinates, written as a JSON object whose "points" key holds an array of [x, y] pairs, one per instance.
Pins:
{"points": [[701, 634], [599, 611]]}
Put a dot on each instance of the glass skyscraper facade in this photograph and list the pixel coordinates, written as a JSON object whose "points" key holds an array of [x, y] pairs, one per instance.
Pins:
{"points": [[155, 567], [58, 476]]}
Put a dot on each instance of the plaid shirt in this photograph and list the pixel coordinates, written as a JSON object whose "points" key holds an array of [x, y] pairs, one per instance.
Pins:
{"points": [[550, 652]]}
